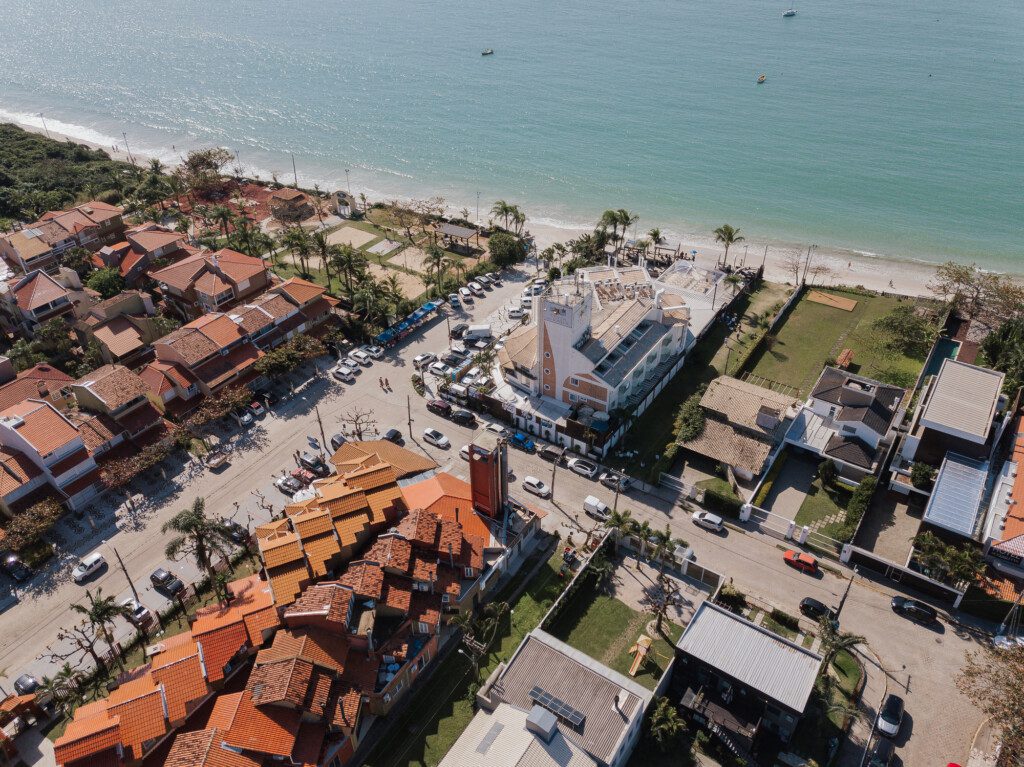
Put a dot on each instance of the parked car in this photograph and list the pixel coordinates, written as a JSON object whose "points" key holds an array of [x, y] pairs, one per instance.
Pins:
{"points": [[374, 351], [484, 280], [361, 357], [476, 288], [805, 563], [465, 296], [89, 565], [526, 302], [458, 330], [138, 615], [915, 610], [708, 521], [552, 453], [522, 442], [439, 369], [583, 467], [463, 418], [15, 568], [420, 360], [304, 476], [890, 718], [816, 610], [436, 438], [394, 436], [26, 684], [596, 508], [288, 485], [314, 463], [257, 409], [464, 452], [351, 363], [338, 440], [243, 415], [537, 487], [237, 532], [611, 479], [344, 374], [166, 582], [497, 428], [882, 753], [439, 406], [453, 300], [493, 277]]}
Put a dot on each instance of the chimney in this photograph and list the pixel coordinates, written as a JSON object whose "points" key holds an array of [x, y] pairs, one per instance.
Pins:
{"points": [[542, 723], [44, 390], [451, 556]]}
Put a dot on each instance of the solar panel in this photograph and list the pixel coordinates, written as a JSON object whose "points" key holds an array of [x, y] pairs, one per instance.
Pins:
{"points": [[559, 708]]}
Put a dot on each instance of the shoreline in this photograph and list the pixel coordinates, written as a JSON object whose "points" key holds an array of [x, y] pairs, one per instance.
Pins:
{"points": [[846, 267]]}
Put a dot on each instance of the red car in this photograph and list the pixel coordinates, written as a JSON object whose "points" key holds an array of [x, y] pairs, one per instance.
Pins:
{"points": [[305, 476], [803, 562]]}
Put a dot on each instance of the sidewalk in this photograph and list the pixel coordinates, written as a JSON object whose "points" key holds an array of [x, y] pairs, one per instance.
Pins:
{"points": [[876, 686]]}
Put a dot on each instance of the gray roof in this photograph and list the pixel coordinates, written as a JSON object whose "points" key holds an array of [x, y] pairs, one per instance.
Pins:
{"points": [[454, 230], [608, 700], [861, 399], [501, 739], [850, 450], [782, 670], [955, 502], [964, 398]]}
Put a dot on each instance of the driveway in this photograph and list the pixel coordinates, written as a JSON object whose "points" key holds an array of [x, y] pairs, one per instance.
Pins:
{"points": [[889, 526], [792, 485]]}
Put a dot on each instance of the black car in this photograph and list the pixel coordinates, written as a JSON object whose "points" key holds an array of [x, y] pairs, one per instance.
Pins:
{"points": [[338, 440], [915, 610], [314, 464], [463, 418], [15, 568], [452, 360], [166, 583], [26, 684], [395, 436], [882, 753], [816, 610], [439, 406], [458, 330]]}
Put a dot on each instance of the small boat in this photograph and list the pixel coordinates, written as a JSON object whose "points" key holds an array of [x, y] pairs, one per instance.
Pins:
{"points": [[488, 52], [761, 79], [789, 14]]}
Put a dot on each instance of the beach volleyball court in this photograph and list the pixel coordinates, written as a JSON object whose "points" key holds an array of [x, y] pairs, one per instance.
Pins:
{"points": [[349, 235]]}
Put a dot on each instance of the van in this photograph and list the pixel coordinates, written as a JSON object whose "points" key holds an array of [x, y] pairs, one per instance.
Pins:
{"points": [[458, 391], [595, 508], [516, 313], [477, 333]]}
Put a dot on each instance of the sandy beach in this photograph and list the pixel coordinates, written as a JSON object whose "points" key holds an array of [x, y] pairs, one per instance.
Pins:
{"points": [[843, 267]]}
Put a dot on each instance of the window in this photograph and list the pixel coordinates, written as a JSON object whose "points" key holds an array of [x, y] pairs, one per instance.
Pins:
{"points": [[574, 381], [547, 387], [573, 398], [446, 599], [421, 628], [467, 572], [421, 586], [547, 355], [547, 371], [831, 411], [849, 430]]}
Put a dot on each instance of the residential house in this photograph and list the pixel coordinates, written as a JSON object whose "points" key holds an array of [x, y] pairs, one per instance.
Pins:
{"points": [[122, 327], [744, 683], [39, 244], [850, 420], [743, 424], [122, 395], [29, 301], [214, 349], [210, 282], [357, 454], [290, 205], [144, 247], [1003, 532], [563, 694], [42, 381]]}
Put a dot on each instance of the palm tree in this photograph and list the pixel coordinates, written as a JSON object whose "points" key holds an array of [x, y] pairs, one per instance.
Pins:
{"points": [[519, 219], [655, 236], [663, 543], [65, 687], [222, 215], [368, 295], [619, 523], [101, 612], [322, 249], [435, 263], [503, 209], [349, 264], [733, 280], [391, 286], [643, 531], [198, 536], [600, 568], [156, 167], [626, 220], [666, 725], [727, 235], [296, 240], [832, 642], [610, 218]]}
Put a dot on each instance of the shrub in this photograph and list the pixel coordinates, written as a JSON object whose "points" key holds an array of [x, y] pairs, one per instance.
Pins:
{"points": [[921, 475], [827, 473], [417, 384], [766, 486], [731, 598], [727, 505], [690, 420], [785, 619]]}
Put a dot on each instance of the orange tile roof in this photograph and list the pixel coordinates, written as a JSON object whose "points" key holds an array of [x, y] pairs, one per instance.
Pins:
{"points": [[202, 748], [41, 425], [114, 385], [349, 527], [300, 291], [449, 498], [318, 646], [224, 711], [87, 735], [184, 685], [397, 593], [211, 284], [139, 706], [271, 529], [392, 551], [385, 503], [223, 368], [219, 646], [119, 335], [348, 699], [420, 528], [356, 454], [259, 622], [426, 608], [288, 581], [37, 290], [365, 578], [1015, 513], [332, 601], [308, 744], [320, 550], [371, 477], [268, 730], [282, 681], [423, 567], [280, 549], [238, 266], [249, 595], [16, 470], [219, 328], [312, 523], [33, 382], [189, 343]]}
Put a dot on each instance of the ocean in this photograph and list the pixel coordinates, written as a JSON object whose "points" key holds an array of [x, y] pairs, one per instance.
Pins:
{"points": [[885, 128]]}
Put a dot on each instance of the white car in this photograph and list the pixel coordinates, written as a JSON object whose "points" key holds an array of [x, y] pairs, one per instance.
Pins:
{"points": [[611, 479], [708, 521], [465, 295], [464, 452], [516, 313], [582, 467], [374, 351], [89, 565], [138, 614], [476, 288], [526, 302], [537, 487], [344, 373], [436, 438], [351, 364], [421, 360], [484, 280], [497, 428], [440, 369], [361, 357], [493, 277]]}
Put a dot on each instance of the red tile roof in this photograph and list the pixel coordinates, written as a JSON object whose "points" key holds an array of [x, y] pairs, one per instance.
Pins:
{"points": [[329, 601], [37, 381], [268, 730], [219, 646], [449, 498], [41, 425], [202, 748], [365, 578]]}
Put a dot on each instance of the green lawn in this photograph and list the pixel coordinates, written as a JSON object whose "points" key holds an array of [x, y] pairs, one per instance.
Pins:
{"points": [[814, 333], [720, 486], [655, 429], [817, 728], [821, 503], [443, 707]]}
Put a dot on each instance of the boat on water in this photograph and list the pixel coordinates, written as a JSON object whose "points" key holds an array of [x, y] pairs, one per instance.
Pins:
{"points": [[761, 79], [488, 52], [789, 14]]}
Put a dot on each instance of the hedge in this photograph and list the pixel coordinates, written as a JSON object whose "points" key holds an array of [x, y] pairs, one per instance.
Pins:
{"points": [[773, 474], [720, 502], [785, 619]]}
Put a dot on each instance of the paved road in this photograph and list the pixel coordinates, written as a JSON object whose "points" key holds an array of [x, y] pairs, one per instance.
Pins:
{"points": [[940, 722]]}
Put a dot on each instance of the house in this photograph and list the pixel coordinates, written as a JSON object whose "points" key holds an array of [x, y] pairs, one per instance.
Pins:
{"points": [[214, 350], [743, 424], [741, 681], [850, 420], [210, 282], [1002, 532], [41, 381], [122, 395], [360, 453], [596, 710], [290, 205], [122, 327], [144, 247], [29, 301], [39, 244], [601, 341]]}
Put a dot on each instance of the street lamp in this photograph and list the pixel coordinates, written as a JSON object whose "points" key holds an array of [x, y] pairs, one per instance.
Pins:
{"points": [[348, 183]]}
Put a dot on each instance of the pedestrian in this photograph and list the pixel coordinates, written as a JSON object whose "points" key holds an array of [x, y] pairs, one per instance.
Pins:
{"points": [[387, 384], [380, 382]]}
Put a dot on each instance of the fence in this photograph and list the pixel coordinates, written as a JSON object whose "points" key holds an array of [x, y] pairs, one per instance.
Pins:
{"points": [[903, 575]]}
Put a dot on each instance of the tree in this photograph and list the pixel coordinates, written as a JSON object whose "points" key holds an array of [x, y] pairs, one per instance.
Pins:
{"points": [[666, 726], [107, 282], [619, 523], [349, 263], [436, 265], [358, 422], [626, 220], [92, 358], [946, 561], [28, 526], [77, 259], [24, 354], [960, 284], [163, 325], [991, 679], [922, 475], [1004, 351], [100, 612], [297, 241], [689, 422], [201, 170], [642, 531], [827, 473], [322, 249], [504, 210], [74, 644], [198, 536], [662, 599], [728, 236], [655, 236], [832, 641], [907, 332], [505, 249]]}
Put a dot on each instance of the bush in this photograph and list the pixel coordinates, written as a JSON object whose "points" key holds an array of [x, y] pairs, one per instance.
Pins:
{"points": [[785, 619], [731, 598], [35, 554], [922, 475], [727, 505], [505, 249], [827, 473], [766, 486], [417, 384], [690, 420]]}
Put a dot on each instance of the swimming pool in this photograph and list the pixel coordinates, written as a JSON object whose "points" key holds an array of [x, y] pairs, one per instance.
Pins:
{"points": [[945, 348]]}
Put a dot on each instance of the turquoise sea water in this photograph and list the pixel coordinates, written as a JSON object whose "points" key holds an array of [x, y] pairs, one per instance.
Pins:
{"points": [[892, 128]]}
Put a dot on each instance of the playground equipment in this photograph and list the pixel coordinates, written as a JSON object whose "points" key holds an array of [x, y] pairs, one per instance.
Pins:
{"points": [[639, 650]]}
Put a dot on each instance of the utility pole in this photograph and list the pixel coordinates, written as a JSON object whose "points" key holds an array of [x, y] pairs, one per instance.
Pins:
{"points": [[618, 488], [323, 436], [295, 173], [131, 584], [764, 257], [127, 149], [47, 130], [408, 408], [348, 183]]}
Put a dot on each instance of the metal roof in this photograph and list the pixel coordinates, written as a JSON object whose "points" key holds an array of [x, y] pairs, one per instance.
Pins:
{"points": [[454, 230], [955, 502], [751, 654], [964, 398]]}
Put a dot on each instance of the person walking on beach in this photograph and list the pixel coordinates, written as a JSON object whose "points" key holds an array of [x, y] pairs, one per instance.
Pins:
{"points": [[380, 382], [387, 385]]}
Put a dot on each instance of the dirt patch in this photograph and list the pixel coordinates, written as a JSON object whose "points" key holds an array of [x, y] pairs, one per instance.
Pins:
{"points": [[411, 258], [412, 285], [349, 235]]}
